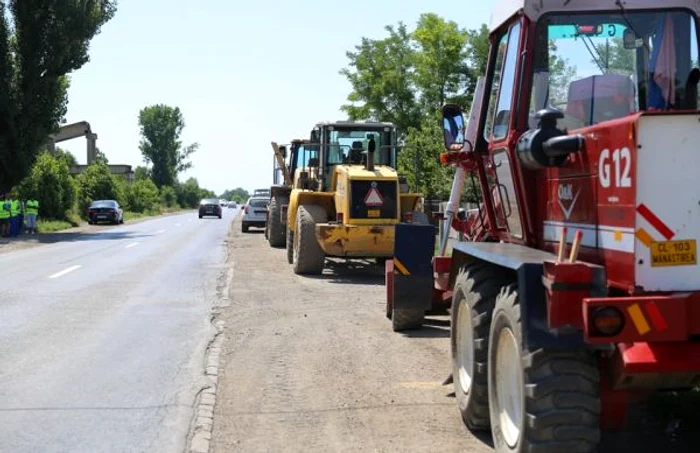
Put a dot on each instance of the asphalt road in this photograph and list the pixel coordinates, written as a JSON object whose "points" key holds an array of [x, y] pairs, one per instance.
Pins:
{"points": [[103, 335]]}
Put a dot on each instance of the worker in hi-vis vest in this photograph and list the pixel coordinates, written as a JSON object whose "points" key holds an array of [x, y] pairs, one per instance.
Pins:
{"points": [[31, 212], [14, 215], [4, 216]]}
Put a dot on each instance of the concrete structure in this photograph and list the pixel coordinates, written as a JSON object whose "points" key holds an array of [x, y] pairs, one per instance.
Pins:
{"points": [[82, 129], [124, 170]]}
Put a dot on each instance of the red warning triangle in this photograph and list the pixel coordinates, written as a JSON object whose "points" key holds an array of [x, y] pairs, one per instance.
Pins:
{"points": [[374, 198]]}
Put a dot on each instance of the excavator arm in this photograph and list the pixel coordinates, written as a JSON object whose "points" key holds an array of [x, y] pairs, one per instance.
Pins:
{"points": [[281, 164]]}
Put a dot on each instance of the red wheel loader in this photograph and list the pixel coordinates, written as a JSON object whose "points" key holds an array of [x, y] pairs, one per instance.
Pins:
{"points": [[578, 288]]}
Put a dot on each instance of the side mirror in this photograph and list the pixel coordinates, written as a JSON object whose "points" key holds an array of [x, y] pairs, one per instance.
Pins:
{"points": [[283, 150], [630, 41], [453, 125], [314, 136]]}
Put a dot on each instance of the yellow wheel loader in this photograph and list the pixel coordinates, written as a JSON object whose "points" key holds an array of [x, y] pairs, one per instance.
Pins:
{"points": [[347, 197], [287, 170]]}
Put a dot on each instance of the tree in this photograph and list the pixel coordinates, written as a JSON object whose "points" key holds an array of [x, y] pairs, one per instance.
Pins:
{"points": [[50, 183], [46, 41], [67, 156], [407, 75], [161, 126], [142, 173], [98, 183], [142, 196], [614, 58], [101, 157], [239, 195], [441, 61], [381, 75]]}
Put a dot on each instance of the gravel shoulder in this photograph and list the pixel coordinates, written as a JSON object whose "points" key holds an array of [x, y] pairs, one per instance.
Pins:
{"points": [[311, 364]]}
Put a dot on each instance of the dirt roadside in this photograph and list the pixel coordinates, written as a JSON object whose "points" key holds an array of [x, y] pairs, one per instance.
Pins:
{"points": [[311, 364]]}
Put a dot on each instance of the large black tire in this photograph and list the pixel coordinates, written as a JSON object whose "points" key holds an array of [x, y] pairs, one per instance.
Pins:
{"points": [[406, 318], [244, 227], [309, 257], [290, 246], [551, 397], [275, 229], [475, 291]]}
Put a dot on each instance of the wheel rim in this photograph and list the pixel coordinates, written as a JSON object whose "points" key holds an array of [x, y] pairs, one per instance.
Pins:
{"points": [[508, 386], [465, 346]]}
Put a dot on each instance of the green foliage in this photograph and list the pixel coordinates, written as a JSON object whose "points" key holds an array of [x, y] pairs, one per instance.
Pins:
{"points": [[168, 196], [405, 78], [98, 183], [239, 195], [407, 75], [189, 194], [46, 41], [160, 127], [441, 61], [381, 75], [50, 183], [614, 58], [142, 173], [67, 156], [142, 196], [101, 157]]}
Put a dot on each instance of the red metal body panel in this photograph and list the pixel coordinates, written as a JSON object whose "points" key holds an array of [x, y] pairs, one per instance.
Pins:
{"points": [[564, 305], [389, 282], [597, 205], [666, 318]]}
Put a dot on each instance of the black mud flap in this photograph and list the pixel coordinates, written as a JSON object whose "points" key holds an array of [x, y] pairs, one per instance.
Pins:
{"points": [[414, 248]]}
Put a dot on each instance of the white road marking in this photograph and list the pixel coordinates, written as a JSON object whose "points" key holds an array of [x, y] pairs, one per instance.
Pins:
{"points": [[178, 224], [65, 271], [133, 244], [160, 231]]}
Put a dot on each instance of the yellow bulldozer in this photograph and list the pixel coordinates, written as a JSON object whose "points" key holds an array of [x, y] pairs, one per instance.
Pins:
{"points": [[346, 196]]}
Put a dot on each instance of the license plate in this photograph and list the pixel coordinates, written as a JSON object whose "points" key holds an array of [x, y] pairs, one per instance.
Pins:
{"points": [[674, 253], [373, 213], [101, 216]]}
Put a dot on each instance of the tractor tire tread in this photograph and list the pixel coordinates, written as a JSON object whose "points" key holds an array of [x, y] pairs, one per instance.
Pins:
{"points": [[561, 389], [276, 230], [310, 258], [480, 283], [406, 319]]}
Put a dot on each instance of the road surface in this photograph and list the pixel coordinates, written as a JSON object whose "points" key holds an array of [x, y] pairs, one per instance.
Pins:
{"points": [[102, 336]]}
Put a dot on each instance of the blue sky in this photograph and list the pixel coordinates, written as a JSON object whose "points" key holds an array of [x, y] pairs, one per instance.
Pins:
{"points": [[243, 73]]}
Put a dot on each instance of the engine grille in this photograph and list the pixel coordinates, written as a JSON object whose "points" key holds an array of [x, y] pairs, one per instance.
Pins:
{"points": [[359, 190]]}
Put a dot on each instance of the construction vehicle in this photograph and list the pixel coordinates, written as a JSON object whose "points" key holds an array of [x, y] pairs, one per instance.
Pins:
{"points": [[347, 196], [580, 290], [285, 173]]}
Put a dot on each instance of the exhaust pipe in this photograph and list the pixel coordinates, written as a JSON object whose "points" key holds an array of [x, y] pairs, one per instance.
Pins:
{"points": [[371, 147]]}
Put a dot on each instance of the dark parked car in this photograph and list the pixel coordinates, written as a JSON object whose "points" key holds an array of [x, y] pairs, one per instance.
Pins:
{"points": [[210, 207], [105, 211]]}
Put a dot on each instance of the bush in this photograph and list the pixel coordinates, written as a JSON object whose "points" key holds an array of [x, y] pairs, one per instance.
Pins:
{"points": [[168, 196], [142, 196], [98, 183], [51, 184]]}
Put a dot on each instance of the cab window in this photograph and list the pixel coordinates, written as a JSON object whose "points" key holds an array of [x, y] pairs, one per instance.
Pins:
{"points": [[501, 94]]}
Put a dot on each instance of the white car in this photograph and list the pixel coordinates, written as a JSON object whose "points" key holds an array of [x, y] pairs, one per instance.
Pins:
{"points": [[255, 213]]}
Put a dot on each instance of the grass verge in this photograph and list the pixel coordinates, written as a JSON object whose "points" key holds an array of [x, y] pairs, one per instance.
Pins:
{"points": [[73, 220]]}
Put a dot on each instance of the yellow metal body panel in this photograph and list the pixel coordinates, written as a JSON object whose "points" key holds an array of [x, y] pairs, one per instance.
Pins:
{"points": [[300, 196], [355, 237], [356, 240]]}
